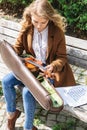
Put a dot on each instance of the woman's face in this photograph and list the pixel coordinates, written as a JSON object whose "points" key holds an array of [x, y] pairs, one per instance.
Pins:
{"points": [[39, 22]]}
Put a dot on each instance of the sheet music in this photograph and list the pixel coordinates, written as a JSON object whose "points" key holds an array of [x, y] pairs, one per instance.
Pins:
{"points": [[74, 95]]}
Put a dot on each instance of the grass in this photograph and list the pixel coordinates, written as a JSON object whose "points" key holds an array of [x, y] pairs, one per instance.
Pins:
{"points": [[69, 125]]}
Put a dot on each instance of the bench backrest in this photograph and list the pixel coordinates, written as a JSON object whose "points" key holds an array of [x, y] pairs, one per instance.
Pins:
{"points": [[77, 51], [9, 30], [76, 48]]}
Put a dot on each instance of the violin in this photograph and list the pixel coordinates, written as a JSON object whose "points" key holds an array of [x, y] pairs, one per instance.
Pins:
{"points": [[35, 65]]}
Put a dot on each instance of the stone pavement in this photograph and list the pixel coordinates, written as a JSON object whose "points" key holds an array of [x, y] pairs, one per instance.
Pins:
{"points": [[44, 120]]}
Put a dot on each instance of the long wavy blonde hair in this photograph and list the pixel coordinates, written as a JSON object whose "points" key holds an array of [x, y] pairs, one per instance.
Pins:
{"points": [[44, 9]]}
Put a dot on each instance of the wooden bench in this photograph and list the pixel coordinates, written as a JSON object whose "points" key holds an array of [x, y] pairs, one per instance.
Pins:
{"points": [[76, 52]]}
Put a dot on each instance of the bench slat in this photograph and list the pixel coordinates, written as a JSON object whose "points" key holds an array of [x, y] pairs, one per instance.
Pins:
{"points": [[76, 42], [77, 62], [78, 112], [77, 57], [8, 32], [10, 24], [81, 53], [8, 39], [78, 53]]}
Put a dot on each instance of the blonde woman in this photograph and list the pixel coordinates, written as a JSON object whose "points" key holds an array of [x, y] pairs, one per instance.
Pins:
{"points": [[42, 36]]}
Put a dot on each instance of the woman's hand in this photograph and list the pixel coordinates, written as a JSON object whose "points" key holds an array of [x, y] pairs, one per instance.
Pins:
{"points": [[48, 71], [49, 68]]}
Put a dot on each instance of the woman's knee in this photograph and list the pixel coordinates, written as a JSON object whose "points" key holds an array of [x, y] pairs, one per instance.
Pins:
{"points": [[5, 81]]}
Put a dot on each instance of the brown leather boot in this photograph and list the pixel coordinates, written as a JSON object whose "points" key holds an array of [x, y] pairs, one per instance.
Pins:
{"points": [[34, 128], [11, 122]]}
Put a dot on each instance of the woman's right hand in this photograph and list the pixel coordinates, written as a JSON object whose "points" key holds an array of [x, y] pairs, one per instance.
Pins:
{"points": [[48, 71]]}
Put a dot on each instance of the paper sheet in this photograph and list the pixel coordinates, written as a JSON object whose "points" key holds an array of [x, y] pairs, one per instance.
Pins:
{"points": [[74, 95]]}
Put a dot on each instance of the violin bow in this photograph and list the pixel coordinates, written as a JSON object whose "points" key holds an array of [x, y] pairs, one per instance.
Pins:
{"points": [[35, 64]]}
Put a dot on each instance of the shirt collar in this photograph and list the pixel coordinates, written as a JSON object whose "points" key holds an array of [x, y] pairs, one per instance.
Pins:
{"points": [[42, 32]]}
